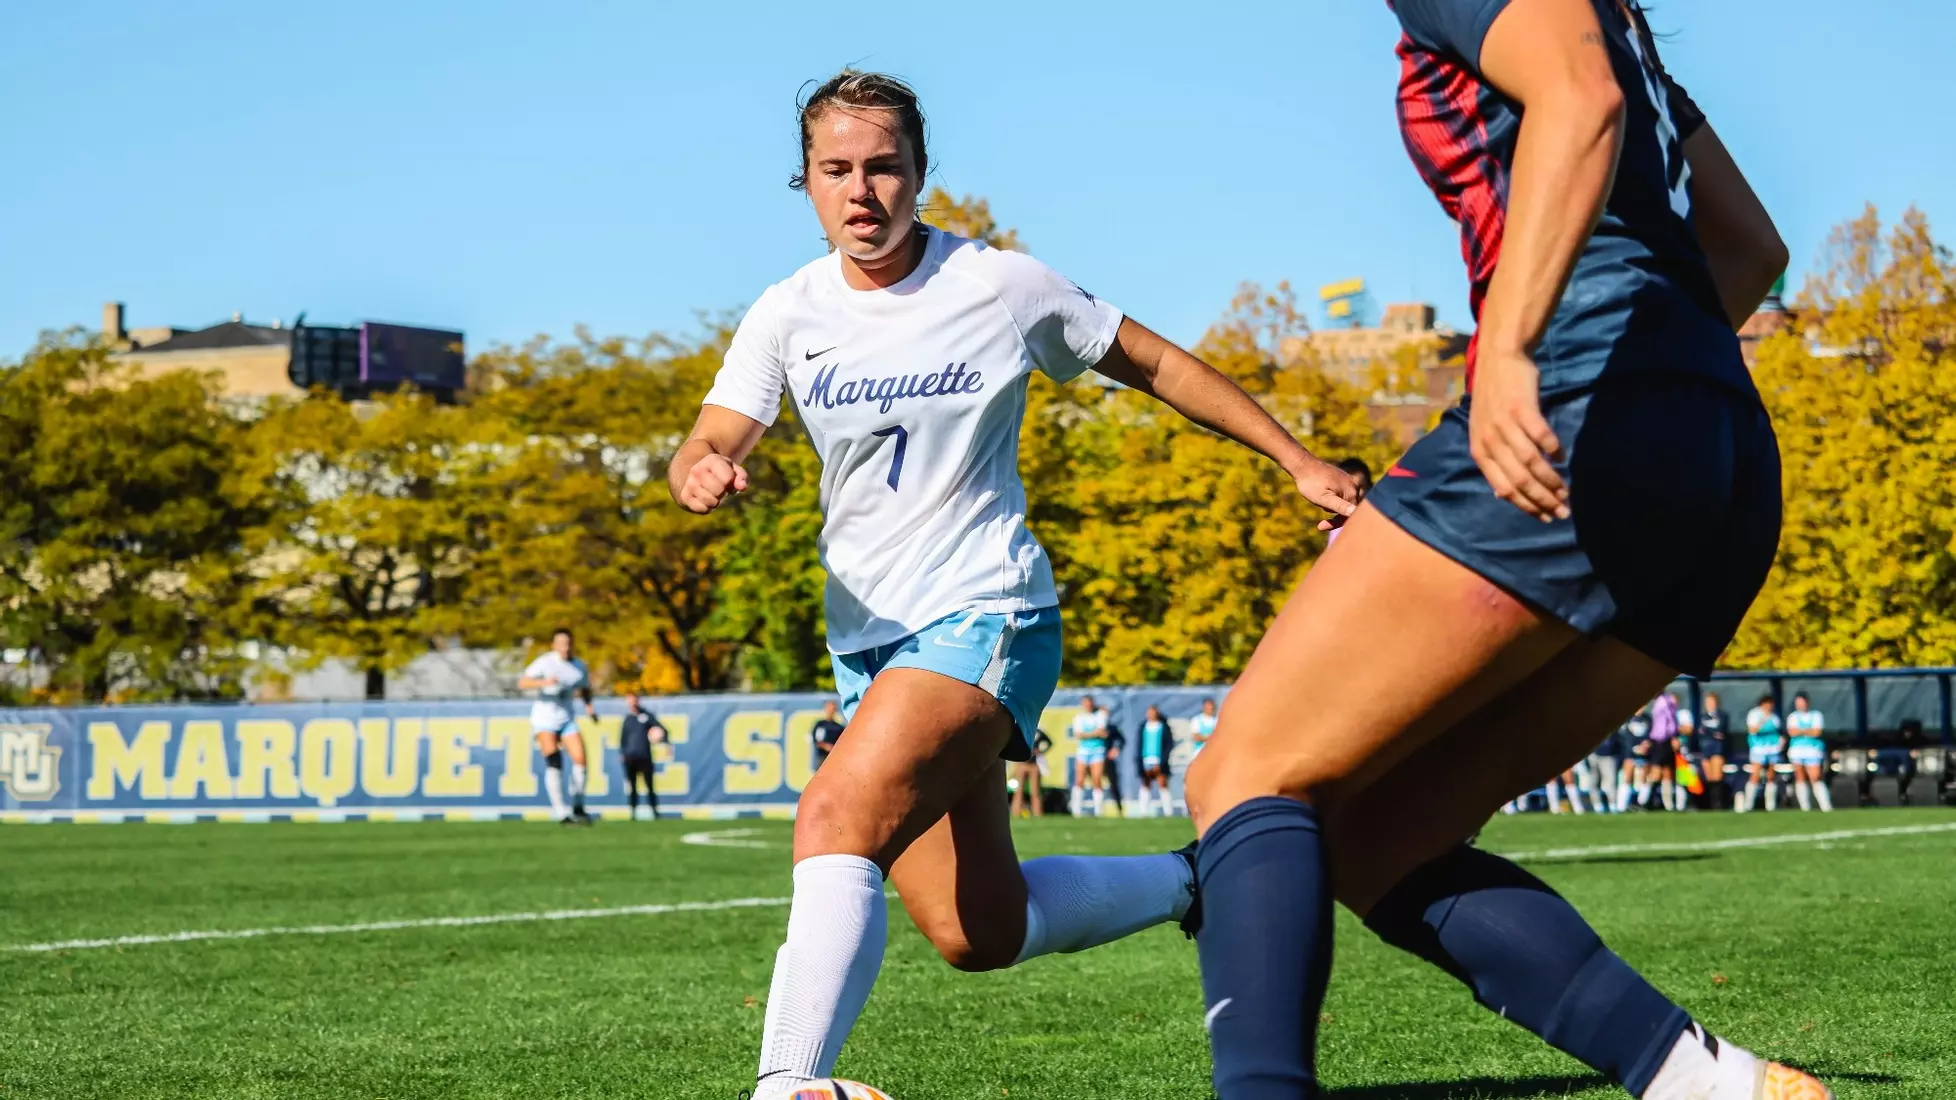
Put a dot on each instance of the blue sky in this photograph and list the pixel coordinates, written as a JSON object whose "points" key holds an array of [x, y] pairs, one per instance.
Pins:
{"points": [[512, 169]]}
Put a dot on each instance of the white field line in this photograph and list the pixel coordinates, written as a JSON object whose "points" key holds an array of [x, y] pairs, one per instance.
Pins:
{"points": [[1722, 845], [760, 903], [727, 838], [397, 925]]}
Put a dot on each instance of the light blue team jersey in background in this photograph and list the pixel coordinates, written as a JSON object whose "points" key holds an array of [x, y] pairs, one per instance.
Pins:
{"points": [[1805, 727], [1153, 736], [1202, 725], [1763, 732]]}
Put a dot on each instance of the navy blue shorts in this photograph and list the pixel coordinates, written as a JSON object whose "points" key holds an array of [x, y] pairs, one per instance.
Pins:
{"points": [[1675, 499]]}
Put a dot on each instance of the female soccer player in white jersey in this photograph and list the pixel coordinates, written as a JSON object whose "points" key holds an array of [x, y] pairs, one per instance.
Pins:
{"points": [[907, 352], [1806, 750], [557, 678]]}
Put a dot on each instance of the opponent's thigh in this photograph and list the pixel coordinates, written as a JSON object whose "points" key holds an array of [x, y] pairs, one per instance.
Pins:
{"points": [[573, 742], [546, 742], [1442, 641], [960, 881], [1545, 722], [917, 742]]}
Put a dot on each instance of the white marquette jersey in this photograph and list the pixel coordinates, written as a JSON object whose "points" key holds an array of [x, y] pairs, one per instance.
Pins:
{"points": [[912, 395], [551, 711]]}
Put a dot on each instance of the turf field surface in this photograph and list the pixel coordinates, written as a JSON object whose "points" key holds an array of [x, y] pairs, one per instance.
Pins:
{"points": [[625, 961]]}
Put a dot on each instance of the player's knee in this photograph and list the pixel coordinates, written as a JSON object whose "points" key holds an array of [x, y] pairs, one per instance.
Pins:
{"points": [[974, 954], [553, 759], [830, 820]]}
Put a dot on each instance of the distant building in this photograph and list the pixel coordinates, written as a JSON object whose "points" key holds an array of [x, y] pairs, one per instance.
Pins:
{"points": [[1371, 359], [257, 361]]}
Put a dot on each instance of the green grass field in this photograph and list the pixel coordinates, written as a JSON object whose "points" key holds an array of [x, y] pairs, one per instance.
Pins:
{"points": [[1837, 955]]}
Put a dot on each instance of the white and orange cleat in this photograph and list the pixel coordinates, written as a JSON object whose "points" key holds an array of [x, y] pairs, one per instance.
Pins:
{"points": [[1704, 1067]]}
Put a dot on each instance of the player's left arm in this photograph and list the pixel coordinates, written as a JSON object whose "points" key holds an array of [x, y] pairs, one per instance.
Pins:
{"points": [[1742, 246], [1142, 360]]}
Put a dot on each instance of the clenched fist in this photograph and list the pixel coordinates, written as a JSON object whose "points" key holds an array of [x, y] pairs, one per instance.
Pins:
{"points": [[711, 480]]}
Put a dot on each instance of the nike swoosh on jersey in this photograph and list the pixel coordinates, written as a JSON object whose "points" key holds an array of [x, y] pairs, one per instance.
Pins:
{"points": [[811, 356], [1400, 471]]}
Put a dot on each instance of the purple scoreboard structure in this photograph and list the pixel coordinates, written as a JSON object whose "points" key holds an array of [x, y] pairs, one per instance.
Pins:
{"points": [[375, 357]]}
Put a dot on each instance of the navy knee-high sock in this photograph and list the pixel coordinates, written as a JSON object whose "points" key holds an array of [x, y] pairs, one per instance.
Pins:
{"points": [[1527, 954], [1265, 945]]}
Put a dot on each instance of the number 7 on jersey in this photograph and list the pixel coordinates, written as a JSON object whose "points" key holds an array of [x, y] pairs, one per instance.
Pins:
{"points": [[896, 460]]}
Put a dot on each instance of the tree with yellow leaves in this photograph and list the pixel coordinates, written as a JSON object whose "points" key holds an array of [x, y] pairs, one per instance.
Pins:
{"points": [[1862, 391]]}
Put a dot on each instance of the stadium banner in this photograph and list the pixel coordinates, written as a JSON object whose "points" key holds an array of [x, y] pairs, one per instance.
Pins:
{"points": [[727, 756]]}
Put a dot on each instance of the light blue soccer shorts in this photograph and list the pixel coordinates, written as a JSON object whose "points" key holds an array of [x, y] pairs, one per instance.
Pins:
{"points": [[1807, 752], [1091, 750], [1015, 656]]}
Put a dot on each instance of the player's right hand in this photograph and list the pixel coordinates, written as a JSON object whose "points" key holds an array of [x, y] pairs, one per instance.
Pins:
{"points": [[711, 480], [1511, 440]]}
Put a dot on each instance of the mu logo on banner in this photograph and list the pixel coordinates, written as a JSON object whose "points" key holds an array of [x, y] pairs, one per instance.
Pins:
{"points": [[28, 764]]}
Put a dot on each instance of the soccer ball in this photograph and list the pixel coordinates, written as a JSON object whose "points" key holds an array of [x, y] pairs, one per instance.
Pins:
{"points": [[835, 1090]]}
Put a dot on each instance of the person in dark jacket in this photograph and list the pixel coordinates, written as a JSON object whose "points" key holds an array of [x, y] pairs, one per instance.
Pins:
{"points": [[641, 730]]}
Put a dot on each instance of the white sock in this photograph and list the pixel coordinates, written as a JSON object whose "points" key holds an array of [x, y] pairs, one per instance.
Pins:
{"points": [[1823, 796], [1099, 800], [1746, 796], [1772, 794], [1670, 795], [1802, 794], [577, 786], [1643, 794], [1141, 803], [1077, 902], [1623, 793], [553, 785], [837, 927], [1074, 802], [1692, 1072]]}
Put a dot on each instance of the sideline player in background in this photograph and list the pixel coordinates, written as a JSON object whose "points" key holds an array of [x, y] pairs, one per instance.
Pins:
{"points": [[1636, 763], [639, 731], [827, 732], [1116, 745], [1710, 725], [1765, 744], [557, 678], [1156, 744], [1201, 728], [907, 351], [1089, 757], [1806, 750], [1499, 580], [1029, 779], [1661, 763]]}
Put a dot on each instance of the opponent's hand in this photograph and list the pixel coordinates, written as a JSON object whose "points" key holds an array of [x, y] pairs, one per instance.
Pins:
{"points": [[1510, 439], [1329, 488], [711, 480]]}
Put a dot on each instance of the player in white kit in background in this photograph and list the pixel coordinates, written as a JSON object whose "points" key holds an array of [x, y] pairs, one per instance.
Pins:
{"points": [[559, 678], [907, 352]]}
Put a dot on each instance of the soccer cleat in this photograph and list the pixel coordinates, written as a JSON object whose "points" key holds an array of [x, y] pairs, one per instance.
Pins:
{"points": [[1191, 921], [1778, 1082]]}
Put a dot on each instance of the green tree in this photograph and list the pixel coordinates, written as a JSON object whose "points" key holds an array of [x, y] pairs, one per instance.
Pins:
{"points": [[381, 512], [1862, 391], [121, 506], [969, 216]]}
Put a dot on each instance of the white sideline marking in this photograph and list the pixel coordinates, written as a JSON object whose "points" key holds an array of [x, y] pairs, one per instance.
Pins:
{"points": [[733, 837], [396, 925], [726, 838], [1734, 842]]}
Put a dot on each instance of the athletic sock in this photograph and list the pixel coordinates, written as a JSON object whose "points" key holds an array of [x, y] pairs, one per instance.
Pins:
{"points": [[1553, 789], [1099, 801], [1077, 902], [1265, 947], [553, 785], [1703, 1065], [1643, 795], [1141, 803], [837, 926], [1575, 801], [1623, 793], [1772, 794], [577, 787], [1747, 796], [1528, 955], [1823, 796], [1075, 803], [1668, 791], [1802, 794]]}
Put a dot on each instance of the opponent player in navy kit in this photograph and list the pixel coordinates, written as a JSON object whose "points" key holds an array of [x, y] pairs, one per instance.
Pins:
{"points": [[907, 352], [1496, 574]]}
